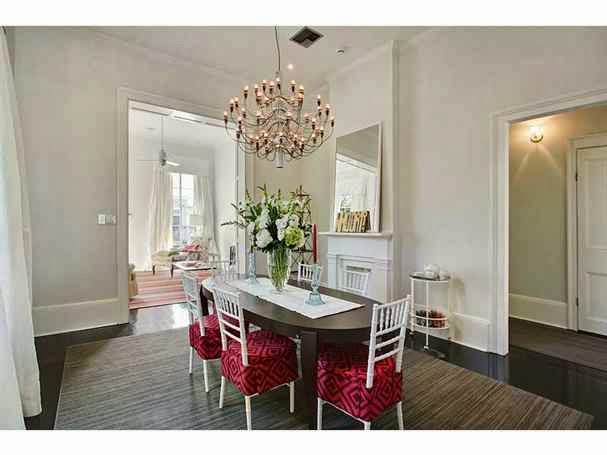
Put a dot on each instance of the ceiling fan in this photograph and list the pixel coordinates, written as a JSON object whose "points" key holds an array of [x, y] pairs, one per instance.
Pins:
{"points": [[162, 154]]}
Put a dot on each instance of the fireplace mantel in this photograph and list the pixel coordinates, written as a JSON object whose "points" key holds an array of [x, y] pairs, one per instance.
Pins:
{"points": [[383, 235], [370, 251]]}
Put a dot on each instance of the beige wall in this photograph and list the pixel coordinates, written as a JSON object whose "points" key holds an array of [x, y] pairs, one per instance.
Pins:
{"points": [[363, 95], [448, 84], [538, 207], [452, 81], [67, 81]]}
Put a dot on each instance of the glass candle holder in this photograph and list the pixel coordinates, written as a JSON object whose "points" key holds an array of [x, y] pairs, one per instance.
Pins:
{"points": [[315, 298]]}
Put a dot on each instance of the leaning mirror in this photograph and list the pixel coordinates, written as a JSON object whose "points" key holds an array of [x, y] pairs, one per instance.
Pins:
{"points": [[358, 177]]}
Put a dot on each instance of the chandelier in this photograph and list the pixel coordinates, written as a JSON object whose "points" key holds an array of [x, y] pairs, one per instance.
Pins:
{"points": [[268, 121]]}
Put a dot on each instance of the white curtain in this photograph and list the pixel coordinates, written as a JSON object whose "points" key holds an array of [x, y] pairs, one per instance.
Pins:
{"points": [[19, 375], [203, 205], [161, 210]]}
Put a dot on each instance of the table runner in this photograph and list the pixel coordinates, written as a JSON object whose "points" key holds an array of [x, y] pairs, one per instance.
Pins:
{"points": [[293, 298]]}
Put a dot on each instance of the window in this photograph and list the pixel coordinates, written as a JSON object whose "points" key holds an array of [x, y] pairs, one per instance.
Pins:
{"points": [[183, 204]]}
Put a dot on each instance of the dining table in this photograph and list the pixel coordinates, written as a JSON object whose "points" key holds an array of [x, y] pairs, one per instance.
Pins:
{"points": [[352, 326]]}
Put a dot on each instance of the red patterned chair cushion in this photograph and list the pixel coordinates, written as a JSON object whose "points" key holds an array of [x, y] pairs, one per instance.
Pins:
{"points": [[208, 346], [272, 362], [341, 378]]}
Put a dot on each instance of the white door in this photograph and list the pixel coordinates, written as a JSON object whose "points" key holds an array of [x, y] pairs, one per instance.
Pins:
{"points": [[592, 238]]}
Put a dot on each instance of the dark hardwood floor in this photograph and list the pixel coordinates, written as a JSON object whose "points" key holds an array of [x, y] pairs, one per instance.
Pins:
{"points": [[563, 381], [51, 351]]}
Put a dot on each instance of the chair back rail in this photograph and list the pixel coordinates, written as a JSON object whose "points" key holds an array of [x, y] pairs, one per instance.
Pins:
{"points": [[192, 296], [355, 282], [305, 272], [224, 268], [388, 318], [231, 320]]}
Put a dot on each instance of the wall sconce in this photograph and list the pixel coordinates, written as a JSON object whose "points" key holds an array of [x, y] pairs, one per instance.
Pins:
{"points": [[536, 134]]}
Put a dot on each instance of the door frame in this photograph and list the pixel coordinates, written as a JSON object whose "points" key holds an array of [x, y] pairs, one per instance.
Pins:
{"points": [[500, 123], [573, 279], [124, 96]]}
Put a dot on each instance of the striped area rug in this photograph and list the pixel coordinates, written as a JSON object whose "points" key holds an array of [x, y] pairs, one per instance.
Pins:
{"points": [[156, 290], [142, 382]]}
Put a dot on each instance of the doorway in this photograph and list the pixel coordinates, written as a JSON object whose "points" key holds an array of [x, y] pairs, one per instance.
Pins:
{"points": [[184, 170], [548, 156], [499, 197]]}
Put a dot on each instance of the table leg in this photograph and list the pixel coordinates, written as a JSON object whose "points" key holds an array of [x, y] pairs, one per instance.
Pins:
{"points": [[309, 354]]}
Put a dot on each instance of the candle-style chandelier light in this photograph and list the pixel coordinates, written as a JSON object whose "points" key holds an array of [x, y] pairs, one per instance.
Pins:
{"points": [[268, 121]]}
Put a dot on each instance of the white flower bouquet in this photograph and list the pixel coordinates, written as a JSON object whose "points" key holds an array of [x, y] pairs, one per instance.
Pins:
{"points": [[276, 228]]}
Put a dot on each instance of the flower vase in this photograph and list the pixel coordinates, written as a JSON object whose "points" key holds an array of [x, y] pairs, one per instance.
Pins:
{"points": [[252, 268], [279, 267]]}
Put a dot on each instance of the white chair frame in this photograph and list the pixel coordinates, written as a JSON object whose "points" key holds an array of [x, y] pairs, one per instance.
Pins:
{"points": [[223, 268], [305, 272], [228, 305], [194, 307], [355, 282], [386, 319]]}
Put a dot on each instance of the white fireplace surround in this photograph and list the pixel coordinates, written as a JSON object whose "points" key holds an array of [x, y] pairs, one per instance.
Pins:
{"points": [[366, 251]]}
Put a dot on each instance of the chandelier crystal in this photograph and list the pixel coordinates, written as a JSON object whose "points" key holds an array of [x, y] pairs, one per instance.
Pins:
{"points": [[268, 121]]}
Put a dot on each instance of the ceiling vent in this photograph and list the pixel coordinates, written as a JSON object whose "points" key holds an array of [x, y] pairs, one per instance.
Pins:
{"points": [[306, 37]]}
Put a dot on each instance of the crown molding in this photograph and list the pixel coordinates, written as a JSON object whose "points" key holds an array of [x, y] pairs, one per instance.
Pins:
{"points": [[169, 58], [421, 38]]}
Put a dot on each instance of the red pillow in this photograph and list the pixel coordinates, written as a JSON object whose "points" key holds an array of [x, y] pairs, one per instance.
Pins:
{"points": [[191, 248]]}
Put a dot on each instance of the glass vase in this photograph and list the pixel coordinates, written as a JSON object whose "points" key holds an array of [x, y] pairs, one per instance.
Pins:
{"points": [[252, 268], [279, 267]]}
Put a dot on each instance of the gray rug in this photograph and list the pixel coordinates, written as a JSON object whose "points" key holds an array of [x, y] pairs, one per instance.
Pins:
{"points": [[142, 382]]}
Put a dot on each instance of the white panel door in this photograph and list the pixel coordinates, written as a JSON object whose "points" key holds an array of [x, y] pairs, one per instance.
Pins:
{"points": [[592, 239]]}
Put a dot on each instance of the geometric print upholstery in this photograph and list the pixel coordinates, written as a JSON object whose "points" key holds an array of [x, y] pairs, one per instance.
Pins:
{"points": [[208, 346], [272, 362], [342, 376]]}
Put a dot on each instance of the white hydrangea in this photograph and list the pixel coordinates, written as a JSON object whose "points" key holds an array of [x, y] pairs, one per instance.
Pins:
{"points": [[251, 227], [264, 238], [294, 220], [264, 219], [282, 223], [281, 234]]}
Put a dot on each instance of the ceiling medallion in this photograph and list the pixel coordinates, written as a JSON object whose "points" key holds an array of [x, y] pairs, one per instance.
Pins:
{"points": [[268, 121]]}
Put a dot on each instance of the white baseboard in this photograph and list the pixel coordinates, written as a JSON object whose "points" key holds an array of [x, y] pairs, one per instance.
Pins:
{"points": [[68, 317], [535, 309], [470, 331]]}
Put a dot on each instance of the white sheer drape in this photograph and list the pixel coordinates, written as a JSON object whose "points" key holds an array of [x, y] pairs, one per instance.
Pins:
{"points": [[203, 205], [161, 210], [19, 375]]}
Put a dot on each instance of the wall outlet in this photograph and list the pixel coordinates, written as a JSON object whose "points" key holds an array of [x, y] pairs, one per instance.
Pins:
{"points": [[102, 218]]}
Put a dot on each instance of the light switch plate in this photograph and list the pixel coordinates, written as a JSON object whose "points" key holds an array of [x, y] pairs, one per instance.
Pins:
{"points": [[100, 218]]}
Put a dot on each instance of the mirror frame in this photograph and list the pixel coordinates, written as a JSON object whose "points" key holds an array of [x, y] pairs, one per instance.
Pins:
{"points": [[375, 224]]}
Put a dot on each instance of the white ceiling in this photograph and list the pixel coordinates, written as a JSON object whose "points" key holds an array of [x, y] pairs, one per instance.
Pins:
{"points": [[248, 53], [185, 142]]}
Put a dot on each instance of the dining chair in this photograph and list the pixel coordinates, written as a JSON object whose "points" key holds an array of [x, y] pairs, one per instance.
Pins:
{"points": [[204, 333], [355, 282], [363, 381], [253, 362], [223, 268], [305, 272]]}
